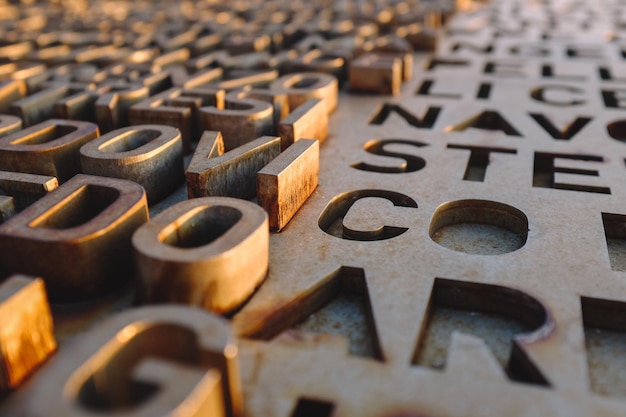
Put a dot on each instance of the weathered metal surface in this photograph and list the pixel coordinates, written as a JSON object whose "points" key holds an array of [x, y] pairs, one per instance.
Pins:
{"points": [[309, 120], [376, 73], [463, 253], [210, 252], [301, 87], [212, 172], [183, 359], [48, 148], [25, 189], [9, 124], [286, 182], [150, 155], [178, 108], [26, 333], [241, 119], [78, 237]]}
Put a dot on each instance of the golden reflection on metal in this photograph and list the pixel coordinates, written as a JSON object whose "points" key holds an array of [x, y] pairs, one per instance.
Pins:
{"points": [[150, 155], [309, 120], [301, 87], [9, 124], [48, 148], [377, 73], [148, 361], [26, 331], [178, 108], [241, 120], [77, 238], [212, 172], [211, 252], [285, 183], [19, 190]]}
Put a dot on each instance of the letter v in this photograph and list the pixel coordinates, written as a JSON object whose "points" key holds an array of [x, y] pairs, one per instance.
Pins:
{"points": [[566, 133]]}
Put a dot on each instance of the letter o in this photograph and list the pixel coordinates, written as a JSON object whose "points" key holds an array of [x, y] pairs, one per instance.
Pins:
{"points": [[211, 252]]}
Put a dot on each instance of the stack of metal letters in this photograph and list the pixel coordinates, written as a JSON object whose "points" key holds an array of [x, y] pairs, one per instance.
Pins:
{"points": [[394, 208]]}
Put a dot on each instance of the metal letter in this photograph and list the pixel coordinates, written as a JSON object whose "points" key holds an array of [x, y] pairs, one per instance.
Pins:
{"points": [[309, 120], [26, 334], [242, 120], [48, 148], [20, 190], [150, 155], [77, 238], [210, 252], [285, 183], [150, 361], [212, 172], [301, 87]]}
